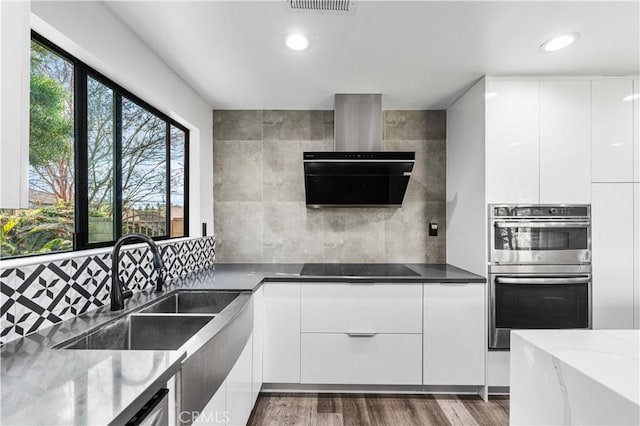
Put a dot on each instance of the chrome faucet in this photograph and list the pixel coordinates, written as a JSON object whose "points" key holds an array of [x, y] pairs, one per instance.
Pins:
{"points": [[119, 290]]}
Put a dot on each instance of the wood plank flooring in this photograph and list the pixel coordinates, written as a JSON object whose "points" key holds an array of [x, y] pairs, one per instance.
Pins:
{"points": [[325, 409]]}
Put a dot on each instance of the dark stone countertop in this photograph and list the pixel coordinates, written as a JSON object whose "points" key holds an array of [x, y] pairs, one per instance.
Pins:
{"points": [[248, 276], [41, 385]]}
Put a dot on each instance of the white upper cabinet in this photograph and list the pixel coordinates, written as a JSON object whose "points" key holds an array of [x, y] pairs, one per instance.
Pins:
{"points": [[14, 104], [612, 131], [512, 141], [636, 130], [565, 142]]}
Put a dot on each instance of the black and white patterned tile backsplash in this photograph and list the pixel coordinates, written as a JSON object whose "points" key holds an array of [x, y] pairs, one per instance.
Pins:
{"points": [[37, 296]]}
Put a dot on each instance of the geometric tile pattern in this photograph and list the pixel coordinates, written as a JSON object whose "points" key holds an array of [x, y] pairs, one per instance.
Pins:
{"points": [[38, 296]]}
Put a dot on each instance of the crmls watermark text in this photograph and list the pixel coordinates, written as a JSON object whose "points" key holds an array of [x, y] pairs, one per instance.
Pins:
{"points": [[205, 418]]}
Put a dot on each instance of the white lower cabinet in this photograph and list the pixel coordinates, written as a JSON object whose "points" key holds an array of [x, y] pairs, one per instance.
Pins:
{"points": [[215, 413], [258, 338], [374, 334], [613, 255], [362, 359], [239, 401], [636, 256], [498, 374], [361, 307], [281, 347], [454, 334]]}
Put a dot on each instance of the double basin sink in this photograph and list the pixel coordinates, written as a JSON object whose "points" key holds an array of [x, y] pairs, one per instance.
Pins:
{"points": [[165, 324], [182, 320]]}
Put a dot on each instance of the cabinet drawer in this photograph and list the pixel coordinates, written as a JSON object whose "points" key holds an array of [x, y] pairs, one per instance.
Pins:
{"points": [[378, 308], [381, 359]]}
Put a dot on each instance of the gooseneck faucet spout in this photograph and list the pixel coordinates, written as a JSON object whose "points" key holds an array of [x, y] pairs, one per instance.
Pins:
{"points": [[119, 290]]}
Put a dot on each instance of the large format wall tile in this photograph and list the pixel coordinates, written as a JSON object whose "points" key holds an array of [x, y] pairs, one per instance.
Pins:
{"points": [[283, 171], [238, 227], [286, 125], [415, 125], [355, 235], [292, 233], [407, 233], [237, 169], [237, 125]]}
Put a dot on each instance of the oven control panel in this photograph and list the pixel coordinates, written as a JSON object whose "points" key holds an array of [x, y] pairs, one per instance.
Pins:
{"points": [[541, 211]]}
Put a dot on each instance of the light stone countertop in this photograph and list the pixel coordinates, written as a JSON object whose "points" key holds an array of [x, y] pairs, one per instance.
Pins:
{"points": [[41, 385], [575, 377], [609, 357]]}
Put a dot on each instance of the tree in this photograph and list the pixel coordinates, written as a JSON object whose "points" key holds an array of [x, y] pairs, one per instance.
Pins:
{"points": [[50, 129]]}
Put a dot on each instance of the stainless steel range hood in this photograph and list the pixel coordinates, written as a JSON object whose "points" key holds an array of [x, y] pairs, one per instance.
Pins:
{"points": [[358, 173]]}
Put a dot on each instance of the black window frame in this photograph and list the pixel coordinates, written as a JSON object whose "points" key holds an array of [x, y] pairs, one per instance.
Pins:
{"points": [[81, 73]]}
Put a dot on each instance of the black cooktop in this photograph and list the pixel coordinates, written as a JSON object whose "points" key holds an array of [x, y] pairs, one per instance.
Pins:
{"points": [[357, 270]]}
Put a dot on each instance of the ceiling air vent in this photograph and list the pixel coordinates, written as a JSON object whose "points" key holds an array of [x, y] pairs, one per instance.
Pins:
{"points": [[330, 5]]}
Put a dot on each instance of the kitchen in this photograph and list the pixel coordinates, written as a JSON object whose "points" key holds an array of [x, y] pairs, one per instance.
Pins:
{"points": [[345, 227]]}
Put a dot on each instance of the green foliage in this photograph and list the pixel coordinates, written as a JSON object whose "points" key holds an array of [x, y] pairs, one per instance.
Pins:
{"points": [[24, 232], [50, 130], [100, 211]]}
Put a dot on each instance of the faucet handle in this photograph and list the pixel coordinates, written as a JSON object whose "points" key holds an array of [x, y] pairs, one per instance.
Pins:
{"points": [[162, 272], [126, 293]]}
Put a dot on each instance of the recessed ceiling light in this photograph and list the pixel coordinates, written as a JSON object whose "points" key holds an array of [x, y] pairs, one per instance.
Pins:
{"points": [[297, 42], [560, 42]]}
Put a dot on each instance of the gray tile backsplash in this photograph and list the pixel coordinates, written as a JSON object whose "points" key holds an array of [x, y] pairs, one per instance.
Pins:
{"points": [[414, 125], [259, 201]]}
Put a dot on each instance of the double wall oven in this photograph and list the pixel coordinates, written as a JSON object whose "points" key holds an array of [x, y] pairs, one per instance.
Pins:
{"points": [[539, 269]]}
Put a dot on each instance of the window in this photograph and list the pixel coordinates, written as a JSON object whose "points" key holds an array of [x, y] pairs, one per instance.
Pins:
{"points": [[102, 162]]}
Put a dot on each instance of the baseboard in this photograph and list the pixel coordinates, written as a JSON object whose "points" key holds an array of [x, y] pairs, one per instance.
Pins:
{"points": [[388, 389], [498, 390]]}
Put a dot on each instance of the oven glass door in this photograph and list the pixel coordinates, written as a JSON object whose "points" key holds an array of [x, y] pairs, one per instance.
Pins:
{"points": [[541, 302], [541, 242]]}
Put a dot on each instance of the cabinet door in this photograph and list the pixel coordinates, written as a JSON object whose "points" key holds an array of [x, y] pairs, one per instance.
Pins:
{"points": [[512, 138], [613, 257], [258, 327], [215, 413], [636, 130], [357, 307], [454, 334], [238, 398], [378, 359], [565, 142], [636, 254], [281, 347], [612, 130], [14, 104]]}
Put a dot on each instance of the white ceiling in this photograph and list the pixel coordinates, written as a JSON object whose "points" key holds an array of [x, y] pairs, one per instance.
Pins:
{"points": [[417, 54]]}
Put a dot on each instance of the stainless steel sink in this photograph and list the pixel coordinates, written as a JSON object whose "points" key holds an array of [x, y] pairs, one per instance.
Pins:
{"points": [[193, 302], [211, 327], [142, 332]]}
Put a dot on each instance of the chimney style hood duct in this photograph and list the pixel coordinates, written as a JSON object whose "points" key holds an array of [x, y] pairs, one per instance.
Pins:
{"points": [[358, 173]]}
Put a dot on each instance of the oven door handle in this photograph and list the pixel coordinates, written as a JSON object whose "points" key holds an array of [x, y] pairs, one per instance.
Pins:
{"points": [[542, 224], [540, 280]]}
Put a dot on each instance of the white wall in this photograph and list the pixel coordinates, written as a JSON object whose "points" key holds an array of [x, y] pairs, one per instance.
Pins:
{"points": [[466, 208], [92, 33]]}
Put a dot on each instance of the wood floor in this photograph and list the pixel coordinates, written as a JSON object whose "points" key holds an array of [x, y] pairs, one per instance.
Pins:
{"points": [[321, 409]]}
